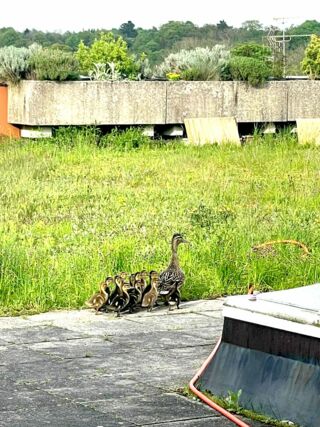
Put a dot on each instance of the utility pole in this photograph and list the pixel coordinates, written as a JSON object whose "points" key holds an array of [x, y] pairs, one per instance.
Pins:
{"points": [[284, 40]]}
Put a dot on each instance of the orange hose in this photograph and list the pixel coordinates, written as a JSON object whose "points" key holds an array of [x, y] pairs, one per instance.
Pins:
{"points": [[205, 399]]}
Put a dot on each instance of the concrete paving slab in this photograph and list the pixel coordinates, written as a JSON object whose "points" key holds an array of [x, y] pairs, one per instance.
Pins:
{"points": [[76, 368], [80, 348], [85, 390], [171, 339], [16, 355], [38, 334], [152, 409], [196, 422]]}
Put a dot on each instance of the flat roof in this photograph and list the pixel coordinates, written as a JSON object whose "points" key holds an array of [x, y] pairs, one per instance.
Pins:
{"points": [[295, 310]]}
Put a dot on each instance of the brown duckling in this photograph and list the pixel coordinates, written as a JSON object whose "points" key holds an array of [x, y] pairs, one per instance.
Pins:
{"points": [[144, 276], [151, 292], [125, 277], [100, 298]]}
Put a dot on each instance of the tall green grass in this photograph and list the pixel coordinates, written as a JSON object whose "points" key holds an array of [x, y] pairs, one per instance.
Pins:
{"points": [[72, 212]]}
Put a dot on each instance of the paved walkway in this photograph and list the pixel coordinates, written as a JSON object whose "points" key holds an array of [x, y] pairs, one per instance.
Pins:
{"points": [[76, 368]]}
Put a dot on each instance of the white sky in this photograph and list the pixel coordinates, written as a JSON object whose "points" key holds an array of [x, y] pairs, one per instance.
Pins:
{"points": [[75, 15]]}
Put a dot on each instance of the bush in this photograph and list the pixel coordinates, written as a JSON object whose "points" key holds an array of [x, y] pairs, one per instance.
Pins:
{"points": [[125, 140], [107, 50], [53, 64], [310, 64], [197, 64], [253, 50], [14, 64], [250, 70]]}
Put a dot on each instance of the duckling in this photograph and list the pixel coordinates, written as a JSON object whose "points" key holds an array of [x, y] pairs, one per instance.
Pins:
{"points": [[144, 275], [109, 282], [139, 286], [176, 298], [120, 301], [173, 277], [100, 298], [125, 277], [132, 279], [151, 292], [135, 295]]}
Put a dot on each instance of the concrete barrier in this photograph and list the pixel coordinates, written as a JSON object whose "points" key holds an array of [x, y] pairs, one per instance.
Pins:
{"points": [[308, 131], [213, 130], [38, 103], [42, 103]]}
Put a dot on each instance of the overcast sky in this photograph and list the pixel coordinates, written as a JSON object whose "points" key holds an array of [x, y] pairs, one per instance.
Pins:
{"points": [[75, 15]]}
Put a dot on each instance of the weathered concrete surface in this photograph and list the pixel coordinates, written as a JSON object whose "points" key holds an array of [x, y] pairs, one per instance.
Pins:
{"points": [[308, 131], [303, 99], [266, 103], [36, 103], [199, 99], [212, 130], [80, 369]]}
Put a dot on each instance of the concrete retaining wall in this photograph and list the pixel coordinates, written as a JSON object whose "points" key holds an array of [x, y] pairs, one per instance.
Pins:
{"points": [[36, 103]]}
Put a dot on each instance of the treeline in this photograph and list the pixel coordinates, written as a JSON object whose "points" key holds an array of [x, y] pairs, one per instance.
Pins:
{"points": [[173, 36]]}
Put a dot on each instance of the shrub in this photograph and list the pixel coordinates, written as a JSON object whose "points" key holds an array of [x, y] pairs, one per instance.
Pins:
{"points": [[310, 64], [253, 50], [197, 64], [107, 50], [125, 140], [14, 64], [250, 70], [251, 62], [53, 64]]}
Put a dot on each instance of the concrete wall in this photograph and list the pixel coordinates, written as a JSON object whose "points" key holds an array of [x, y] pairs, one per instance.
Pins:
{"points": [[37, 103]]}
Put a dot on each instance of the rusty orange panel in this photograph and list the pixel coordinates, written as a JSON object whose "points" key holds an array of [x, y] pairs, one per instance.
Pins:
{"points": [[6, 129]]}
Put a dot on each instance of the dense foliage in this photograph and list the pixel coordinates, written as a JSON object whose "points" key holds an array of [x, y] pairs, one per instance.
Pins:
{"points": [[53, 64], [173, 36], [131, 53], [110, 51], [311, 61], [13, 64], [251, 62], [195, 64]]}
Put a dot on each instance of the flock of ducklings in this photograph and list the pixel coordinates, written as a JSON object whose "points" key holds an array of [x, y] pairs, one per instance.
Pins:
{"points": [[126, 292]]}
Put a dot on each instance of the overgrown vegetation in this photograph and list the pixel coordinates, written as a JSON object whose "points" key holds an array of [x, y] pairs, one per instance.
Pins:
{"points": [[73, 212], [251, 63], [311, 61], [170, 37], [13, 64], [196, 64], [133, 53], [53, 64], [231, 403], [110, 51]]}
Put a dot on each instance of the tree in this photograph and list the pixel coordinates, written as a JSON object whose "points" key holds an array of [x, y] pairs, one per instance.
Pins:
{"points": [[311, 62], [128, 30]]}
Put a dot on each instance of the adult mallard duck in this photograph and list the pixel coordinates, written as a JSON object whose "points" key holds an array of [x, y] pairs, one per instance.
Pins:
{"points": [[171, 279]]}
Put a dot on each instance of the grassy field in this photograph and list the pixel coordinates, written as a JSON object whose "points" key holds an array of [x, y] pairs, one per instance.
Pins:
{"points": [[72, 213]]}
